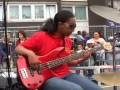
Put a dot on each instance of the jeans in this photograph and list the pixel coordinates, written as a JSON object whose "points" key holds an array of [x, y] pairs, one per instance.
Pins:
{"points": [[70, 82]]}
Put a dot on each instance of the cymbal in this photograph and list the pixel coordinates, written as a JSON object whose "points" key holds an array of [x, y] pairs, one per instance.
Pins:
{"points": [[109, 78], [106, 12]]}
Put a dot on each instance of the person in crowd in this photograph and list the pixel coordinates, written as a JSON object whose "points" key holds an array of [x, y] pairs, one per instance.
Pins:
{"points": [[79, 37], [53, 35], [74, 44], [92, 60], [86, 37], [97, 40], [21, 37], [6, 49], [80, 47]]}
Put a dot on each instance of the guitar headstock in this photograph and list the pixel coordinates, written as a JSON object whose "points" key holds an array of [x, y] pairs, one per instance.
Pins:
{"points": [[92, 49]]}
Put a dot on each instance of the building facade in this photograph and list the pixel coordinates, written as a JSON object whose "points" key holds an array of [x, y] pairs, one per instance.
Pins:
{"points": [[31, 14], [97, 23], [28, 13]]}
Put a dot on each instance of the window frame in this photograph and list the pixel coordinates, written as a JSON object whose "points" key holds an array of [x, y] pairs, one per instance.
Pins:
{"points": [[43, 11], [73, 8], [1, 18], [32, 5], [55, 9], [30, 12], [8, 13]]}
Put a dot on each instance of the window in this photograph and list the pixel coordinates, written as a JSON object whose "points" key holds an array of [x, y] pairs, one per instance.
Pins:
{"points": [[39, 11], [1, 14], [80, 13], [30, 12], [26, 12], [14, 12], [50, 11]]}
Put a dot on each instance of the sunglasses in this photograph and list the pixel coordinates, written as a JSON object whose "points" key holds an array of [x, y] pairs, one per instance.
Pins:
{"points": [[72, 26]]}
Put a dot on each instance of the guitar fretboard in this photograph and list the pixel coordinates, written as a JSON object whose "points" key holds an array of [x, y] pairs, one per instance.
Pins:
{"points": [[68, 58]]}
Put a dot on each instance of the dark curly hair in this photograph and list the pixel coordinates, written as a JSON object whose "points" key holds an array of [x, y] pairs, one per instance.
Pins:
{"points": [[22, 32], [51, 24]]}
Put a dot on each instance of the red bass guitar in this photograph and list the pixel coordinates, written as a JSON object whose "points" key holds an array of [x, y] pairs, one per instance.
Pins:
{"points": [[33, 79]]}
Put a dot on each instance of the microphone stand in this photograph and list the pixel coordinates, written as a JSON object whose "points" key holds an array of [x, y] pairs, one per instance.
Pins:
{"points": [[9, 80]]}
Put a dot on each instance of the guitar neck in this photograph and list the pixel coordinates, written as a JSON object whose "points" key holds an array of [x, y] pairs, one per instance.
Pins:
{"points": [[67, 59]]}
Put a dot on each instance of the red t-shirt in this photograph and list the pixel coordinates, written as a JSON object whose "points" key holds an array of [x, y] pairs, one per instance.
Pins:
{"points": [[42, 44]]}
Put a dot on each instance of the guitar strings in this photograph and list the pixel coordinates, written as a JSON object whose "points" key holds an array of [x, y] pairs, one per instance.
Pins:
{"points": [[50, 64]]}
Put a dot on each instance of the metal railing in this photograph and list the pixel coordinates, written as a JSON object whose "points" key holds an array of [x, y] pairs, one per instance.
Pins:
{"points": [[105, 30]]}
